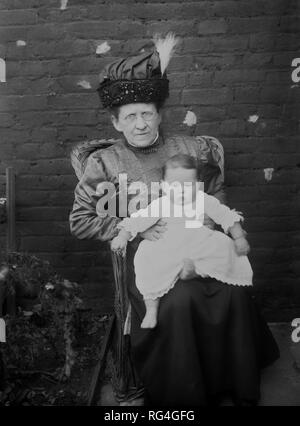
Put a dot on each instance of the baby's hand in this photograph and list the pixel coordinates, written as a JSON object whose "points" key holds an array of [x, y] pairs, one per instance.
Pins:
{"points": [[118, 244], [241, 246]]}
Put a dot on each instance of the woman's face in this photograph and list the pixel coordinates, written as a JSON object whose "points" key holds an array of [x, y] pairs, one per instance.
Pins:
{"points": [[138, 122]]}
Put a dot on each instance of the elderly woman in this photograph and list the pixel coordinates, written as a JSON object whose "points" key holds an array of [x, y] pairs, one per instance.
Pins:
{"points": [[210, 339]]}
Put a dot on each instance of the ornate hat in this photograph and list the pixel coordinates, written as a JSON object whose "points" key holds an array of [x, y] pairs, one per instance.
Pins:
{"points": [[138, 78]]}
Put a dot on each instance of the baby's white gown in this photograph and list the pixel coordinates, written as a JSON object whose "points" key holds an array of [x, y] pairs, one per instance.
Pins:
{"points": [[159, 263]]}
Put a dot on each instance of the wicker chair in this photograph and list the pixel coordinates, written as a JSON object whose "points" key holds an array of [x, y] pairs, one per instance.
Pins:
{"points": [[126, 383]]}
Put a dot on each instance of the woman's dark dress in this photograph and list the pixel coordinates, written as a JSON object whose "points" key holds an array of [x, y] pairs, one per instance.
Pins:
{"points": [[210, 336], [210, 339]]}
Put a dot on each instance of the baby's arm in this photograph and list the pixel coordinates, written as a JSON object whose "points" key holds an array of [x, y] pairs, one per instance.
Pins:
{"points": [[230, 222], [238, 235], [138, 221]]}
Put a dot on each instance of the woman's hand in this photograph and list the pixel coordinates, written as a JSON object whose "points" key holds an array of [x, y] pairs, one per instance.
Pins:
{"points": [[241, 246], [155, 232]]}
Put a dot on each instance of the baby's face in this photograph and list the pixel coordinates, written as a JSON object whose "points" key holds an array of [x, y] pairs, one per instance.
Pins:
{"points": [[180, 184]]}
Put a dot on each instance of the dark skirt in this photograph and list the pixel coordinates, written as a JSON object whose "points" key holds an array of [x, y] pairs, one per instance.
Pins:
{"points": [[210, 340]]}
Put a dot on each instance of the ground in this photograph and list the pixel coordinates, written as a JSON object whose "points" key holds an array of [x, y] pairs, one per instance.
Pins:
{"points": [[280, 382]]}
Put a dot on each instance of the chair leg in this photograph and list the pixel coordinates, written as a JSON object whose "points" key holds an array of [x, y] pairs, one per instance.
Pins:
{"points": [[100, 367], [125, 382]]}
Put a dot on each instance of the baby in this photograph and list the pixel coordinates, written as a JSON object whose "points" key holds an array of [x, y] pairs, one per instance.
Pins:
{"points": [[158, 264]]}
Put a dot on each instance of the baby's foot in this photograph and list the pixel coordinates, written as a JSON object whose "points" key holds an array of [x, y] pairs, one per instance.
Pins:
{"points": [[150, 320], [188, 270]]}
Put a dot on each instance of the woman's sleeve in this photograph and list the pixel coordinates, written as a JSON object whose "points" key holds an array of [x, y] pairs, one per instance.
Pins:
{"points": [[220, 213], [217, 188], [211, 155], [84, 221]]}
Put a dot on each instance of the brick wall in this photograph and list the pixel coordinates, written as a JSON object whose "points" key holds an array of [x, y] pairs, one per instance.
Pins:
{"points": [[233, 70]]}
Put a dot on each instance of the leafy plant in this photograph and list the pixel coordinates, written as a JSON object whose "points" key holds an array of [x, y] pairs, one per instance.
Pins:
{"points": [[50, 323]]}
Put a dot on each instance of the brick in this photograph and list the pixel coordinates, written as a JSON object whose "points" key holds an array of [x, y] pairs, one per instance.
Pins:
{"points": [[238, 76], [95, 30], [236, 8], [178, 79], [70, 83], [46, 32], [18, 17], [232, 127], [11, 136], [216, 62], [19, 103], [53, 49], [58, 118], [194, 45], [202, 78], [74, 101], [76, 133], [209, 113], [277, 78], [19, 4], [81, 65], [262, 41], [6, 120], [14, 33], [43, 228], [42, 214], [7, 150], [288, 41], [208, 128], [206, 96], [81, 259], [257, 60], [3, 50], [44, 166], [181, 63], [243, 111], [175, 114], [213, 26], [177, 26], [246, 94], [228, 43], [278, 95], [284, 59], [174, 97], [34, 68], [39, 167], [252, 25], [134, 11], [45, 198], [38, 244], [47, 182], [289, 24], [22, 86]]}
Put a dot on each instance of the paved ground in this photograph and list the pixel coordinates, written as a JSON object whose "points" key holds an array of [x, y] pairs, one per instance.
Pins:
{"points": [[280, 382]]}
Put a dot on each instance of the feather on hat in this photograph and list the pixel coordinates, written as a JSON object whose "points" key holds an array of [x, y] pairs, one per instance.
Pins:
{"points": [[165, 48]]}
